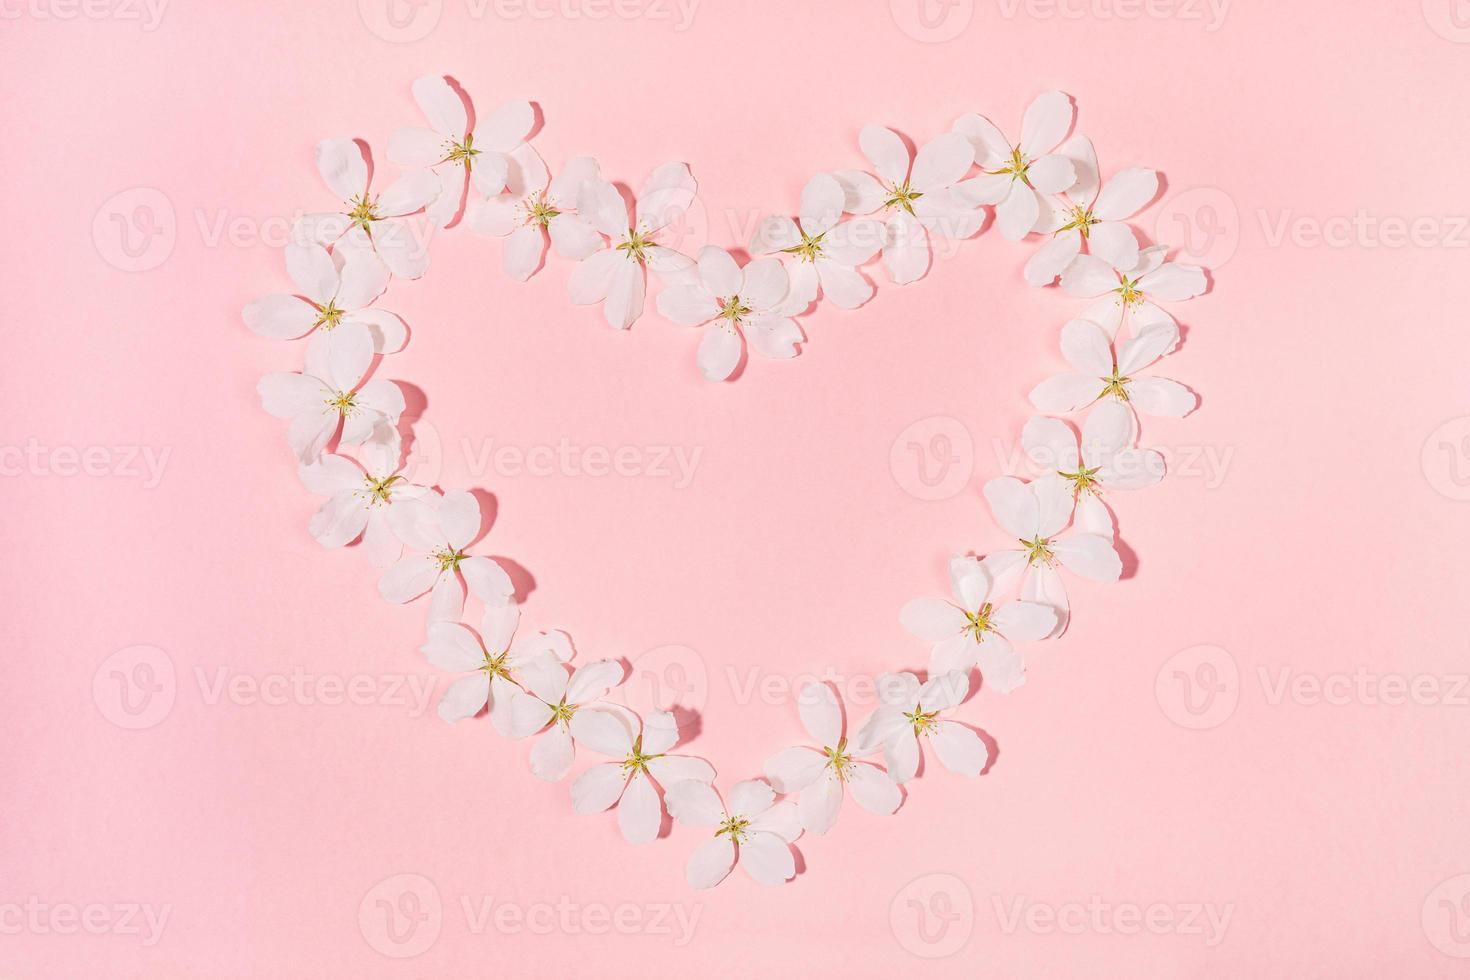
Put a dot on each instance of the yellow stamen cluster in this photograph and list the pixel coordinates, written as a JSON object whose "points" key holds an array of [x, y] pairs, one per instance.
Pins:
{"points": [[1080, 218], [1129, 294], [1083, 480], [329, 316], [363, 210], [903, 196], [1038, 551], [809, 250], [924, 722], [495, 664], [344, 403], [448, 559], [839, 759], [636, 245], [1016, 166], [735, 827], [979, 622], [733, 310], [562, 713], [636, 761], [1115, 385], [461, 152], [378, 491], [539, 211]]}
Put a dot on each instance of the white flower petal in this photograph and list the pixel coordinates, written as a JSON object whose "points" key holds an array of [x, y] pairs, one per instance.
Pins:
{"points": [[671, 769], [931, 620], [1014, 506], [1053, 257], [1016, 215], [1161, 397], [750, 797], [592, 278], [941, 162], [959, 749], [341, 164], [719, 351], [624, 302], [694, 803], [1090, 555], [822, 202], [821, 714], [506, 127], [451, 646], [886, 152], [773, 336], [598, 788], [1024, 621], [280, 317], [524, 250], [843, 285], [872, 789], [602, 732], [465, 697], [820, 802], [780, 819], [409, 579], [719, 272], [666, 195], [640, 812], [989, 144], [861, 191], [592, 681], [552, 755], [1046, 122], [1172, 281], [710, 863], [905, 248], [793, 769], [1052, 174]]}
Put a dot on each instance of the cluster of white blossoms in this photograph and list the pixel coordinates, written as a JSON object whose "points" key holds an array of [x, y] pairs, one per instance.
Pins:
{"points": [[344, 429]]}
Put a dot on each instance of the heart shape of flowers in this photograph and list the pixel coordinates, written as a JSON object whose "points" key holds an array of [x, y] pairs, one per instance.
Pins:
{"points": [[344, 429]]}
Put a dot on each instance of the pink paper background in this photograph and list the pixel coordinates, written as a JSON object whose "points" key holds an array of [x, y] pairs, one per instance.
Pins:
{"points": [[1315, 523]]}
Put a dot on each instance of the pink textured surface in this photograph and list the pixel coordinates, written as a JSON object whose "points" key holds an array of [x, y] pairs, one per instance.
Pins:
{"points": [[1323, 540]]}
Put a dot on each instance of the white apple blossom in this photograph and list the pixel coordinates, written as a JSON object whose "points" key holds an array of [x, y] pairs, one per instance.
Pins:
{"points": [[440, 529], [1037, 513], [827, 252], [360, 493], [1104, 459], [643, 768], [911, 711], [615, 276], [739, 302], [548, 700], [819, 775], [330, 393], [1016, 175], [916, 196], [338, 288], [448, 146], [1132, 291], [369, 221], [1098, 373], [531, 209], [1097, 217], [754, 830], [974, 629], [489, 662]]}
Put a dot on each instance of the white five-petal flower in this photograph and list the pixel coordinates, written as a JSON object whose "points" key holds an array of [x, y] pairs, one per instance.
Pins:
{"points": [[1097, 217], [547, 702], [827, 252], [1105, 459], [819, 775], [644, 766], [1016, 175], [754, 830], [330, 392], [531, 209], [369, 221], [359, 496], [911, 711], [1132, 291], [1037, 513], [489, 662], [615, 276], [739, 302], [440, 529], [1098, 373], [915, 197], [338, 288], [974, 629]]}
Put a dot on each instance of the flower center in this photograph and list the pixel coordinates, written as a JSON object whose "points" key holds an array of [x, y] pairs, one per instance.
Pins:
{"points": [[1080, 218], [979, 622], [636, 244], [732, 309], [562, 713], [448, 559], [924, 722], [344, 402], [636, 761], [1038, 551], [839, 759], [1114, 385], [735, 827], [364, 210], [329, 316], [809, 250], [378, 491], [461, 152], [538, 210], [1084, 480], [1016, 166], [495, 665], [1129, 294], [903, 197]]}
